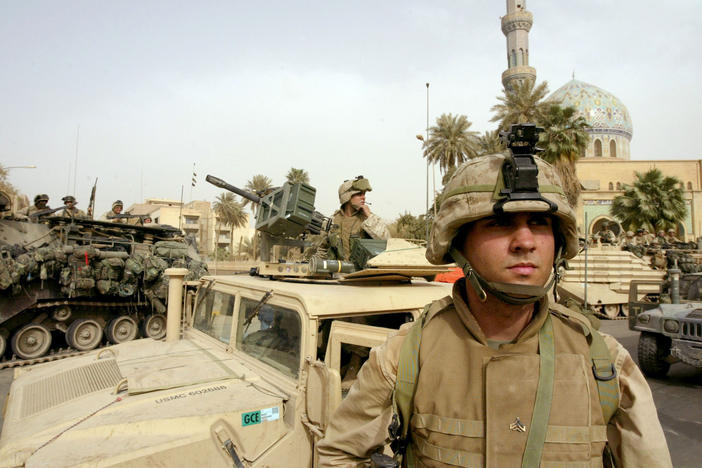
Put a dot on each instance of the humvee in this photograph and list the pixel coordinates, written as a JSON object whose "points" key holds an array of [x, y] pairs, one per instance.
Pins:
{"points": [[670, 333], [252, 382]]}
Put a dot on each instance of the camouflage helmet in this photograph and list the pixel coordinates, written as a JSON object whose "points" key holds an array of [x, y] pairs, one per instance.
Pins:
{"points": [[671, 230], [629, 233], [351, 187], [41, 197], [117, 203], [68, 198], [473, 192]]}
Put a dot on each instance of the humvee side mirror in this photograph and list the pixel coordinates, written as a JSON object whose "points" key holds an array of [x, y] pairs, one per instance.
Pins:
{"points": [[323, 392]]}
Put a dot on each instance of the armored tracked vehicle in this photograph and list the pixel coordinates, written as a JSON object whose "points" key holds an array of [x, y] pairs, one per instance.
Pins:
{"points": [[260, 368], [262, 363], [67, 282]]}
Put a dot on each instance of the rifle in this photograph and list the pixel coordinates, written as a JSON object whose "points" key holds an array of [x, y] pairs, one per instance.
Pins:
{"points": [[46, 212], [141, 217], [91, 205]]}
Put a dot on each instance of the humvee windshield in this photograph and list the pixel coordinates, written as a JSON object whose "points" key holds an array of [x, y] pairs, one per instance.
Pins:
{"points": [[267, 332], [271, 334], [214, 315]]}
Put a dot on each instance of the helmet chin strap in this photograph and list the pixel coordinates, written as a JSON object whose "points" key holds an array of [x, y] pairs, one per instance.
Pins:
{"points": [[515, 294]]}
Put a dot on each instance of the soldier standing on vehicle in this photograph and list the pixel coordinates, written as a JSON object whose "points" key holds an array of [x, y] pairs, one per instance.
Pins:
{"points": [[40, 204], [117, 207], [70, 210], [495, 374], [353, 219], [671, 238]]}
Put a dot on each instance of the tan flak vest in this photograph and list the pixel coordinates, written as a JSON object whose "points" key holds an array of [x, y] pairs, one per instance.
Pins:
{"points": [[473, 405]]}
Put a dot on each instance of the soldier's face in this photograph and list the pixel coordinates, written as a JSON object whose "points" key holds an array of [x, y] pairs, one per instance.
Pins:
{"points": [[69, 204], [41, 204], [513, 248], [117, 209], [358, 199]]}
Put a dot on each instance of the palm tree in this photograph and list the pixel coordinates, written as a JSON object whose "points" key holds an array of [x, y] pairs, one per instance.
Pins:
{"points": [[230, 212], [450, 141], [258, 184], [295, 176], [564, 140], [409, 226], [521, 103], [653, 202], [490, 143]]}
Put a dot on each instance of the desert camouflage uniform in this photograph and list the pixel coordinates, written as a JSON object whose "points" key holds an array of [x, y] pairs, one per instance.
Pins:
{"points": [[114, 220], [356, 225], [468, 394], [74, 213], [474, 398]]}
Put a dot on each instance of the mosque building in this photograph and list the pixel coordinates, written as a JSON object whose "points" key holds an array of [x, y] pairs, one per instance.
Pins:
{"points": [[606, 165]]}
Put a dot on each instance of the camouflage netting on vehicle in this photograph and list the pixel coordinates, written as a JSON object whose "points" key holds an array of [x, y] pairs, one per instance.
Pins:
{"points": [[88, 271], [686, 263]]}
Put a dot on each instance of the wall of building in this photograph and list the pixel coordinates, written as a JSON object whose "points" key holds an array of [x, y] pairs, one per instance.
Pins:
{"points": [[604, 179], [197, 219]]}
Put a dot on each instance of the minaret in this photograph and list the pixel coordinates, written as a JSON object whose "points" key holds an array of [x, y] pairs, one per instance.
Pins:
{"points": [[515, 26]]}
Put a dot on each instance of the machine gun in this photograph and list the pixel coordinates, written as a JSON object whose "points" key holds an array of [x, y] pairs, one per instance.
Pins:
{"points": [[142, 217], [285, 216], [47, 212]]}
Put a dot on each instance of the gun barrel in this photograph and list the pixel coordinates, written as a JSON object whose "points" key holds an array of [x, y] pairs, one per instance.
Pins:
{"points": [[242, 193]]}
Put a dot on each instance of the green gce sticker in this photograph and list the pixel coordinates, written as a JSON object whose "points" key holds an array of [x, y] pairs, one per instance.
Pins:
{"points": [[257, 417], [248, 419]]}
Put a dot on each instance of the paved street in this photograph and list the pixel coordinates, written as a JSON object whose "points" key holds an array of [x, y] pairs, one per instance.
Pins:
{"points": [[677, 398]]}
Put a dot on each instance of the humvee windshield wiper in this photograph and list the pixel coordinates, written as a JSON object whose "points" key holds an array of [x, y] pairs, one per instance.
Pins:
{"points": [[257, 308]]}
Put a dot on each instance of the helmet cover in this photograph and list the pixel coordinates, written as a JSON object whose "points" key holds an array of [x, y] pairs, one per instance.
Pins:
{"points": [[472, 193], [351, 187]]}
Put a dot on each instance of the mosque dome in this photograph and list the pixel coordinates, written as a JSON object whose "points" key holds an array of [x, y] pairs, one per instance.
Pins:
{"points": [[601, 109]]}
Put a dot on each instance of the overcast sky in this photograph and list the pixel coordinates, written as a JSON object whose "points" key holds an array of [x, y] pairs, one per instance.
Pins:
{"points": [[335, 87]]}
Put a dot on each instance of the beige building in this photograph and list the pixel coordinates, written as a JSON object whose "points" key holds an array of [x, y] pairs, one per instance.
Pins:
{"points": [[606, 165], [197, 219]]}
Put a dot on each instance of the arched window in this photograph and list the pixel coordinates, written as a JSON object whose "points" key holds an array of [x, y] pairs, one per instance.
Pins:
{"points": [[619, 186], [613, 148], [598, 148], [514, 59], [689, 185], [611, 186], [527, 57], [522, 59]]}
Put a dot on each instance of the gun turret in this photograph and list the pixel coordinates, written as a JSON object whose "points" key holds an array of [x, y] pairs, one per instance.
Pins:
{"points": [[284, 214]]}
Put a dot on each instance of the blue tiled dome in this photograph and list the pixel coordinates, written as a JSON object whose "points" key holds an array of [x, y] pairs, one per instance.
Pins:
{"points": [[601, 109]]}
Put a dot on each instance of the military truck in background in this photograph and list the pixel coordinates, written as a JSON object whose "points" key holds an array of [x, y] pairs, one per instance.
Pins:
{"points": [[263, 361], [670, 322], [67, 282]]}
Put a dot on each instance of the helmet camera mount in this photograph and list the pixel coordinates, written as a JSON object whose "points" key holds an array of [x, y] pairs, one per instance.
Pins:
{"points": [[519, 172]]}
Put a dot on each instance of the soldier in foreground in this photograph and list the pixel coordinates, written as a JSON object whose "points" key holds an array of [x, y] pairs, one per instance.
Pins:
{"points": [[353, 219], [70, 210], [496, 375], [40, 204], [112, 215]]}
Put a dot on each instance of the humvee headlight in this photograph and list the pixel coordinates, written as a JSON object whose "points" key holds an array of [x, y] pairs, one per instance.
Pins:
{"points": [[671, 326], [644, 318]]}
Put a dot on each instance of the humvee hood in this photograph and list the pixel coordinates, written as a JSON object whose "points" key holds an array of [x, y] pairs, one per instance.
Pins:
{"points": [[172, 397]]}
